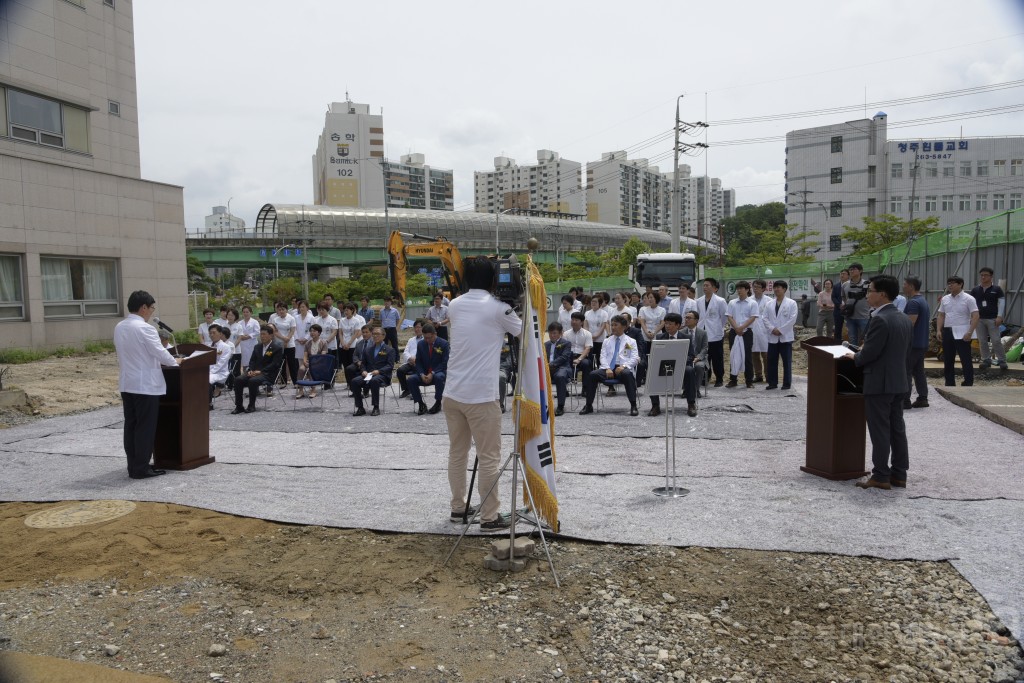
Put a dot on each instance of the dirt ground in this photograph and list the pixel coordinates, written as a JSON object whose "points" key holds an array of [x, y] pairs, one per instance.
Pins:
{"points": [[187, 595]]}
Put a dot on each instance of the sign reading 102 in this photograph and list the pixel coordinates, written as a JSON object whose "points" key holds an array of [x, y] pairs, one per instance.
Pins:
{"points": [[345, 172]]}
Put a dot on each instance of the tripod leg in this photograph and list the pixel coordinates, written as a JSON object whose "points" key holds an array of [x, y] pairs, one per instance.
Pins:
{"points": [[465, 527], [469, 491]]}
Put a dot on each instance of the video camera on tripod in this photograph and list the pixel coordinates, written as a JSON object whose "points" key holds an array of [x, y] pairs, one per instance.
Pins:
{"points": [[508, 280]]}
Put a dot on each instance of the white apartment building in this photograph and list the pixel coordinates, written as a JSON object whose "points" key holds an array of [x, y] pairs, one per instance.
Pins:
{"points": [[79, 228], [221, 221], [412, 184], [628, 192], [347, 165], [836, 175], [553, 184]]}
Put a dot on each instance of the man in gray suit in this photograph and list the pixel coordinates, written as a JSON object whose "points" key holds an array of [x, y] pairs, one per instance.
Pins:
{"points": [[699, 347], [884, 357]]}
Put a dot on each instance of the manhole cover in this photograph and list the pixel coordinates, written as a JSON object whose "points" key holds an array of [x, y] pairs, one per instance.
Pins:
{"points": [[78, 514]]}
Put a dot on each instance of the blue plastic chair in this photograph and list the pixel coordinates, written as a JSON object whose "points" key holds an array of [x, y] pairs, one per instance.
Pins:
{"points": [[321, 375]]}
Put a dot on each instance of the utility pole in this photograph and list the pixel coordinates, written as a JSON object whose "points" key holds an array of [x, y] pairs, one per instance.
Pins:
{"points": [[680, 147]]}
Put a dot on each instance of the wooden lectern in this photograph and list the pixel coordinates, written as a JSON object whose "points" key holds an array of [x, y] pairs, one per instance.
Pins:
{"points": [[835, 414], [183, 424]]}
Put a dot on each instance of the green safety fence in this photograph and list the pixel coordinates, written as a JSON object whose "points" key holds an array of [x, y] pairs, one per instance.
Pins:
{"points": [[1002, 228]]}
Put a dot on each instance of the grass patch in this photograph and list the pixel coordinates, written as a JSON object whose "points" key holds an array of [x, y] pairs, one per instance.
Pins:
{"points": [[22, 356], [19, 356], [99, 347]]}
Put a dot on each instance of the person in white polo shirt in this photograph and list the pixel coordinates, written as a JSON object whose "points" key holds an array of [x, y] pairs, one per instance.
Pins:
{"points": [[957, 319], [743, 313], [479, 323]]}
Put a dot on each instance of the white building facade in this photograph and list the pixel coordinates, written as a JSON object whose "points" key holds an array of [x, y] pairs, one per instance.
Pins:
{"points": [[837, 175], [412, 184], [347, 164], [703, 203], [553, 184], [627, 192], [221, 221], [79, 228]]}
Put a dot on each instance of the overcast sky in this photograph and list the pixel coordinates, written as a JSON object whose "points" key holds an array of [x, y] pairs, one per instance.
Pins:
{"points": [[232, 94]]}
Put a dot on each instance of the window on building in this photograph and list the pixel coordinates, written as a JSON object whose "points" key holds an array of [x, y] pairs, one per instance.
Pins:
{"points": [[965, 202], [1015, 200], [999, 168], [835, 209], [837, 143], [947, 202], [1016, 166], [896, 204], [44, 121], [108, 3], [915, 169], [835, 243], [930, 203], [914, 203], [897, 170], [871, 176], [837, 175], [113, 108], [998, 202], [931, 169], [981, 202], [965, 169], [982, 169], [79, 288], [948, 170], [871, 207], [12, 305]]}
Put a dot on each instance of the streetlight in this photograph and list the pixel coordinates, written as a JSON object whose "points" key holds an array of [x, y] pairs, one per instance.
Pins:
{"points": [[277, 262]]}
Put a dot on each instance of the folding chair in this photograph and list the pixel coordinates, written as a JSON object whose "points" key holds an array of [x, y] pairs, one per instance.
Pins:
{"points": [[267, 391], [611, 382], [322, 372]]}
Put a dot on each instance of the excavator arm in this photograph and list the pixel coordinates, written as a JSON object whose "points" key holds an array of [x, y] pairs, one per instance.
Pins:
{"points": [[440, 248]]}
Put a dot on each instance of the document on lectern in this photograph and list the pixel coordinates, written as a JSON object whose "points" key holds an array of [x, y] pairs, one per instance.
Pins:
{"points": [[836, 351]]}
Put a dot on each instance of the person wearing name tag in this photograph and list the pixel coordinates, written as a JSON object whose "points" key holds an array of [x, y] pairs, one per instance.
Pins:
{"points": [[958, 317]]}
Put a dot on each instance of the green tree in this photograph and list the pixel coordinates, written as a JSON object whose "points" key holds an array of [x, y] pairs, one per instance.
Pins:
{"points": [[196, 273], [739, 233], [885, 231], [236, 297], [282, 289], [781, 244]]}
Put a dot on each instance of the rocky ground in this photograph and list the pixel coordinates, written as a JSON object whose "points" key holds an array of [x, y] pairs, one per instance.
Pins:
{"points": [[193, 595]]}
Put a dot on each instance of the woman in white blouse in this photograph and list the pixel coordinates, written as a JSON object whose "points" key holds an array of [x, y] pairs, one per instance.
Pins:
{"points": [[596, 322]]}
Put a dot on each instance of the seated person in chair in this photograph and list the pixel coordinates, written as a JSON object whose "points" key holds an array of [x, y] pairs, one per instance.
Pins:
{"points": [[219, 369], [356, 366], [619, 357], [408, 366], [582, 344], [378, 362], [699, 345], [316, 346], [673, 321], [264, 367], [559, 353], [431, 369]]}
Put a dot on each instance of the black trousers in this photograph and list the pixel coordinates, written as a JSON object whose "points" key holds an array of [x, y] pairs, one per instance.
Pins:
{"points": [[442, 331], [748, 354], [915, 368], [951, 348], [716, 355], [292, 363], [595, 377], [689, 388], [884, 413], [391, 337], [253, 383], [140, 413], [374, 383], [403, 372], [837, 318]]}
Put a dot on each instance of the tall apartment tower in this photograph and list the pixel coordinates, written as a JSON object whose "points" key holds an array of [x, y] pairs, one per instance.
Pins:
{"points": [[347, 168], [704, 203], [79, 227], [627, 192], [553, 184], [835, 176], [411, 184]]}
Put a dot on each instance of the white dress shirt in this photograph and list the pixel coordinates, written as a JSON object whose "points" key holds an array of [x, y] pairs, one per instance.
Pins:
{"points": [[409, 355], [741, 310], [139, 357], [204, 334], [628, 357], [958, 310], [348, 330], [580, 340], [712, 316], [479, 323], [329, 324], [219, 369], [682, 306], [596, 324], [284, 325], [252, 330], [565, 318]]}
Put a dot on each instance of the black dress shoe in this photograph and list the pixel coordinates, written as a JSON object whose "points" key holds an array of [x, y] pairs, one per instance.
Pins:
{"points": [[633, 412], [148, 473], [691, 409], [771, 386], [718, 383], [375, 412], [250, 409], [359, 412], [654, 412], [404, 394], [786, 387], [238, 410], [435, 409], [731, 385], [559, 411], [421, 408], [587, 410]]}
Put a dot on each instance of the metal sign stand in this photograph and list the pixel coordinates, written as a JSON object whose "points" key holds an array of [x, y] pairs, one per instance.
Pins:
{"points": [[667, 350]]}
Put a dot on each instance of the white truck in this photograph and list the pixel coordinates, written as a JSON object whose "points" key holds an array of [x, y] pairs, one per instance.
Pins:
{"points": [[670, 269]]}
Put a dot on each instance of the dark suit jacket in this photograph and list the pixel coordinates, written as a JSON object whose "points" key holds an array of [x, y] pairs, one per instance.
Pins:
{"points": [[641, 342], [267, 361], [563, 354], [885, 352], [357, 351], [699, 344], [383, 361], [438, 359], [682, 334]]}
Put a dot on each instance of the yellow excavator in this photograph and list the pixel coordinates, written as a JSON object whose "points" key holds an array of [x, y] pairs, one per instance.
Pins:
{"points": [[440, 248]]}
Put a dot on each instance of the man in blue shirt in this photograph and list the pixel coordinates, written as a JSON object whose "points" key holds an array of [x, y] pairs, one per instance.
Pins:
{"points": [[920, 317], [389, 319]]}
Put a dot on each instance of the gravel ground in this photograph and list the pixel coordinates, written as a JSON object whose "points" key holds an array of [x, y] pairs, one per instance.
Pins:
{"points": [[198, 596]]}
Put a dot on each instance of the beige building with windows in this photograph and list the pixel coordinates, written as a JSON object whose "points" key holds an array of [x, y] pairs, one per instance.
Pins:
{"points": [[79, 228], [553, 184], [627, 192]]}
